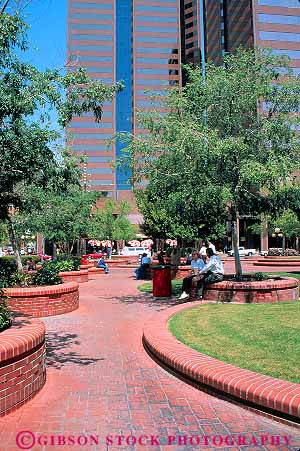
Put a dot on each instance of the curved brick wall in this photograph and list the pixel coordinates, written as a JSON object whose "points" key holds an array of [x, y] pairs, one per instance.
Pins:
{"points": [[44, 300], [96, 271], [289, 263], [285, 289], [22, 363], [263, 392], [75, 276]]}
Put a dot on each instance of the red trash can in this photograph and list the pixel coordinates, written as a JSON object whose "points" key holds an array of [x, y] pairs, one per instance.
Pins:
{"points": [[162, 286]]}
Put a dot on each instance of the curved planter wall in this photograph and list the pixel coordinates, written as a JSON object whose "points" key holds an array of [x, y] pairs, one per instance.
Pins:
{"points": [[275, 263], [75, 276], [44, 301], [284, 289], [22, 363]]}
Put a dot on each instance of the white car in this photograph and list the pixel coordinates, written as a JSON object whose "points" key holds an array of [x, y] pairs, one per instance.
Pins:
{"points": [[129, 251], [243, 252]]}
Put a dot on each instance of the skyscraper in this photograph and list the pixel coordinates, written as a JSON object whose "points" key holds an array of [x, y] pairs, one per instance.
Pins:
{"points": [[137, 41]]}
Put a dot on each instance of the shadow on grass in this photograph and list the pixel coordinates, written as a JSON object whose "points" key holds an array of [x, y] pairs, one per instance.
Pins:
{"points": [[58, 353]]}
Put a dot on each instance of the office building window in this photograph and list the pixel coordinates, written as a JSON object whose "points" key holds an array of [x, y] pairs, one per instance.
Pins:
{"points": [[83, 15], [90, 5], [156, 19], [99, 170], [279, 18], [90, 26], [282, 3], [279, 36], [90, 37]]}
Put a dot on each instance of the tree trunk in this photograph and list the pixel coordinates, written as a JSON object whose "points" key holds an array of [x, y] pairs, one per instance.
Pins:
{"points": [[283, 244], [297, 244], [54, 251], [237, 260], [13, 239]]}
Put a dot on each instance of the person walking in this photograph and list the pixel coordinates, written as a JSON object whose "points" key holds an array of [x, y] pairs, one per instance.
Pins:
{"points": [[197, 264]]}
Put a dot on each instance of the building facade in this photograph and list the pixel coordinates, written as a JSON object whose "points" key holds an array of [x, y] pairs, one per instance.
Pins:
{"points": [[138, 42]]}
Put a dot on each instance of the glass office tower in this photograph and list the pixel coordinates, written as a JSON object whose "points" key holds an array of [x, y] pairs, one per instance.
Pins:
{"points": [[137, 41]]}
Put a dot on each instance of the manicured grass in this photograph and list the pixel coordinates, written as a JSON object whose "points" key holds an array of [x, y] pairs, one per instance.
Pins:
{"points": [[259, 337], [285, 274], [147, 287]]}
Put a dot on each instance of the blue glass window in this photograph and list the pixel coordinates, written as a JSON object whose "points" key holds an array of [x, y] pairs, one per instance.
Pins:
{"points": [[156, 39], [157, 61], [90, 136], [92, 16], [156, 29], [99, 160], [101, 182], [83, 58], [143, 70], [279, 18], [96, 68], [148, 103], [156, 19], [293, 54], [141, 92], [282, 3], [90, 125], [90, 37], [157, 50], [90, 26], [152, 82], [99, 171], [91, 47], [91, 147], [279, 36], [90, 5]]}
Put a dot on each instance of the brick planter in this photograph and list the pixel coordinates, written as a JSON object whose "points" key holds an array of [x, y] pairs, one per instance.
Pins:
{"points": [[274, 396], [75, 276], [87, 266], [273, 290], [44, 300], [22, 363]]}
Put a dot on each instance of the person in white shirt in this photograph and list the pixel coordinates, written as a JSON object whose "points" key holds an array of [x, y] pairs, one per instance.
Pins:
{"points": [[202, 251], [213, 272], [197, 264], [212, 247]]}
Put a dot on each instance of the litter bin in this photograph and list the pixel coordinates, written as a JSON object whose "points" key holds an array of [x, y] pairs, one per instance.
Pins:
{"points": [[161, 276]]}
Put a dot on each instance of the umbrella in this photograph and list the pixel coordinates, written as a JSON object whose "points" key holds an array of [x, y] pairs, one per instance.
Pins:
{"points": [[134, 243], [94, 242], [147, 243], [106, 243], [172, 243]]}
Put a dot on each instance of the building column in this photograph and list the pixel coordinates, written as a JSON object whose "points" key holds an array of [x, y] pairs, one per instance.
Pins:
{"points": [[39, 243]]}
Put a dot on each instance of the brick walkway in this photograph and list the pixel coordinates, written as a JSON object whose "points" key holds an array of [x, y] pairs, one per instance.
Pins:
{"points": [[101, 382]]}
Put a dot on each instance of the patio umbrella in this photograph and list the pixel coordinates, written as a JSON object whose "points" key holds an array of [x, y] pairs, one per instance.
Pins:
{"points": [[106, 243], [147, 243], [134, 243], [172, 243], [94, 243]]}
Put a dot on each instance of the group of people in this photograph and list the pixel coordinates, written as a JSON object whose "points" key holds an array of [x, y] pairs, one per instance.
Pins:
{"points": [[205, 269]]}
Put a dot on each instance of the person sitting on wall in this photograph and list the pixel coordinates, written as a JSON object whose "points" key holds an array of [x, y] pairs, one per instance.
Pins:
{"points": [[197, 264], [30, 265], [142, 271], [212, 272], [102, 264]]}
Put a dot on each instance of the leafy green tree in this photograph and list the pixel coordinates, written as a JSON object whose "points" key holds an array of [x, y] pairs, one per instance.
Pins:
{"points": [[26, 96], [236, 159], [111, 222]]}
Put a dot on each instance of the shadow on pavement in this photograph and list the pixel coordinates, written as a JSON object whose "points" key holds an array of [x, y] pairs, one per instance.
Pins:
{"points": [[56, 343]]}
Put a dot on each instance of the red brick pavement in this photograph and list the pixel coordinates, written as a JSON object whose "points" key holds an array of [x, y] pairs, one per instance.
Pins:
{"points": [[100, 381]]}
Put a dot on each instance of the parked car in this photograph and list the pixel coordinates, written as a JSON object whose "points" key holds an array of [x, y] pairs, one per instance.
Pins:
{"points": [[243, 252], [135, 251]]}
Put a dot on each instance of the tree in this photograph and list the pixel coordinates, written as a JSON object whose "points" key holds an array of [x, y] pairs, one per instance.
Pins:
{"points": [[26, 95], [243, 152], [111, 222]]}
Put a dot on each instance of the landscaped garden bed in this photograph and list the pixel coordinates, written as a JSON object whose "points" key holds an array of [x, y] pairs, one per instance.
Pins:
{"points": [[22, 360], [261, 338]]}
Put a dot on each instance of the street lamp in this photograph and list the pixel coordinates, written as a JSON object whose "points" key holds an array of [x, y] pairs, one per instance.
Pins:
{"points": [[278, 233]]}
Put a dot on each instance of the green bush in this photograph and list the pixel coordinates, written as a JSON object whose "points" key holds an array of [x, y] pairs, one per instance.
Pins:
{"points": [[35, 258], [47, 275], [21, 279], [73, 262], [5, 314], [66, 265], [7, 269], [260, 276], [274, 252]]}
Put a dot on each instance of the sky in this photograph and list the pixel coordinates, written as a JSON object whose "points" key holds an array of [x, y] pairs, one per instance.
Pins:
{"points": [[47, 20]]}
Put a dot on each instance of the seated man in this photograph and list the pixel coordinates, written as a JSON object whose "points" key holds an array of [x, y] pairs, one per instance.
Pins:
{"points": [[30, 265], [142, 271], [212, 272], [197, 264], [102, 264]]}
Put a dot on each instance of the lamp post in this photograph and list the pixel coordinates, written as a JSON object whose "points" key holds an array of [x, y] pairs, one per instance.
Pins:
{"points": [[278, 233]]}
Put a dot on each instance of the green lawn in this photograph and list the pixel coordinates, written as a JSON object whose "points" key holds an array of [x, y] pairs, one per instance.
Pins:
{"points": [[260, 337], [176, 287]]}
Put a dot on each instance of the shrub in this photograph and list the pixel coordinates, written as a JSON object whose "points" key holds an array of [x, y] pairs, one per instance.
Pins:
{"points": [[47, 275], [274, 251], [73, 262], [290, 252], [5, 314], [66, 265], [260, 276], [7, 269], [21, 279], [35, 258]]}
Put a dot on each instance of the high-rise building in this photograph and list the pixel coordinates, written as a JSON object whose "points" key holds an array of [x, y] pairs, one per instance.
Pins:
{"points": [[137, 41]]}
